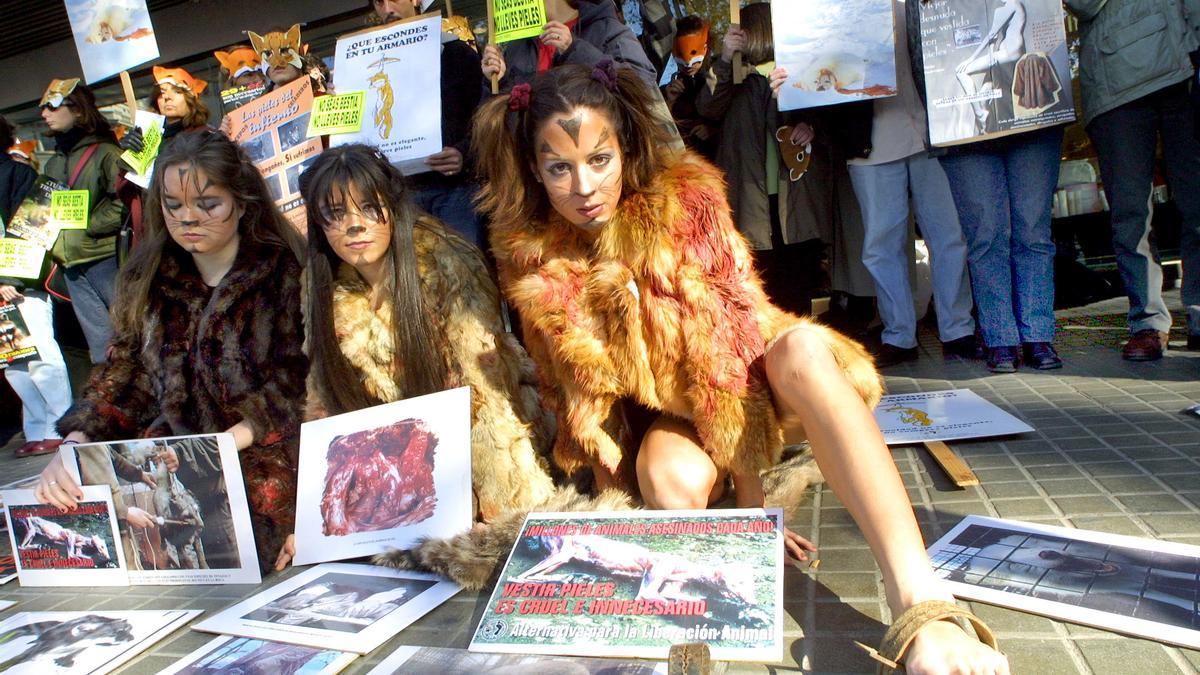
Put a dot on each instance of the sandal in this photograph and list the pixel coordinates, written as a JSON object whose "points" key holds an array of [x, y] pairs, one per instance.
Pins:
{"points": [[903, 630]]}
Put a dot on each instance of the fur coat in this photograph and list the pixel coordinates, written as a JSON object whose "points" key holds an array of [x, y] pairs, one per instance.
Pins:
{"points": [[510, 432], [663, 307], [206, 359]]}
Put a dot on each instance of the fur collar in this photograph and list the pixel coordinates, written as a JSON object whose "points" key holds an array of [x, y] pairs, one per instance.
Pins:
{"points": [[364, 333]]}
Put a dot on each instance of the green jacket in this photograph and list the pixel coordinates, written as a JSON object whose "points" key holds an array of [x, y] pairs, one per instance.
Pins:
{"points": [[106, 213], [1133, 48]]}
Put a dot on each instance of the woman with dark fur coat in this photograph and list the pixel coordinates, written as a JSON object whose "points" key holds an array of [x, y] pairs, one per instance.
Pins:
{"points": [[209, 333]]}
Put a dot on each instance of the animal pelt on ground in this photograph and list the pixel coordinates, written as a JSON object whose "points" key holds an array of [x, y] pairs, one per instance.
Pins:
{"points": [[473, 558]]}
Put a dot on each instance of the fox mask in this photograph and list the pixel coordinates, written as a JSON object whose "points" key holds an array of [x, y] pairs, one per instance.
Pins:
{"points": [[238, 62]]}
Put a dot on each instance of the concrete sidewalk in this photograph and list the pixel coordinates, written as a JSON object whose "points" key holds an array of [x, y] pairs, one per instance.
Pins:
{"points": [[1110, 452]]}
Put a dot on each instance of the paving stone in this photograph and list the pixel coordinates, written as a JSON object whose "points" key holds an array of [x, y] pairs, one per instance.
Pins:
{"points": [[1043, 657], [1160, 503], [1079, 506], [1022, 508], [1105, 656]]}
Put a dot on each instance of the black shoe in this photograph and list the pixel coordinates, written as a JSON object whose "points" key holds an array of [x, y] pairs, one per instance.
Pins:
{"points": [[963, 347], [1041, 356], [1002, 359], [890, 355]]}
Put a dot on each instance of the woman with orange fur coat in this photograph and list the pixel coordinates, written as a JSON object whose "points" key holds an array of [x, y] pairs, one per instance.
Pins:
{"points": [[633, 286]]}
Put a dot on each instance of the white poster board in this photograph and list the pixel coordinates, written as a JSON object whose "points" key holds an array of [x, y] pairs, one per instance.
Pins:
{"points": [[80, 547], [335, 606], [442, 661], [384, 477], [245, 655], [834, 52], [400, 67], [111, 36], [1132, 585], [31, 642], [942, 416]]}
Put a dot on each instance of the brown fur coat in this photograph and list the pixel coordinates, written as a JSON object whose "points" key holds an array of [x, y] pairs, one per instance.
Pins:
{"points": [[509, 430], [207, 359]]}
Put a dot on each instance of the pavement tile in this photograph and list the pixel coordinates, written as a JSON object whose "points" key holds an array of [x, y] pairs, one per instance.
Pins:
{"points": [[1105, 656], [1080, 506], [1159, 503], [1040, 656]]}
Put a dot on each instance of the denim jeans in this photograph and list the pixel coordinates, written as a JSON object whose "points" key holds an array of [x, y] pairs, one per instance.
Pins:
{"points": [[883, 191], [1126, 139], [42, 385], [91, 286], [1003, 194], [454, 207]]}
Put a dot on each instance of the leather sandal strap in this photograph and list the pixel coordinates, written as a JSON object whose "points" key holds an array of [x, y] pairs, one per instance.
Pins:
{"points": [[903, 631]]}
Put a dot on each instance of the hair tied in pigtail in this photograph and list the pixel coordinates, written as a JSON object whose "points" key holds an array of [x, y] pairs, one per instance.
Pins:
{"points": [[518, 98], [605, 72]]}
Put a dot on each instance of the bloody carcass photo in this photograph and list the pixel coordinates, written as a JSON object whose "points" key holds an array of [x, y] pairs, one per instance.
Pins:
{"points": [[379, 479]]}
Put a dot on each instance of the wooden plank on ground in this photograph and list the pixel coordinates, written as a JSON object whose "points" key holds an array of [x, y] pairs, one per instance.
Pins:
{"points": [[958, 471]]}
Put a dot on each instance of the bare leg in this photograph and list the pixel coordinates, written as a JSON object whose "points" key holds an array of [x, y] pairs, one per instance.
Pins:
{"points": [[673, 470]]}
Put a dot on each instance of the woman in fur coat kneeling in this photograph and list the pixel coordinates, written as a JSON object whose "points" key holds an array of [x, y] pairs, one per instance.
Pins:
{"points": [[633, 285], [399, 306], [209, 333]]}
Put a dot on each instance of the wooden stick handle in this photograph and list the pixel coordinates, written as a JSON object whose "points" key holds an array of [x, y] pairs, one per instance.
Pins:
{"points": [[491, 19], [449, 8], [958, 471], [130, 99], [735, 19]]}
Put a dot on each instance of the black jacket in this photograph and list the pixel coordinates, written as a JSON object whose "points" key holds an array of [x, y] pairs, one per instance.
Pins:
{"points": [[462, 85], [15, 180]]}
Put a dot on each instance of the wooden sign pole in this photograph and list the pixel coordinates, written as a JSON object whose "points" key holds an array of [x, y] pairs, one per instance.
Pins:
{"points": [[958, 471], [491, 19], [735, 19], [130, 99], [449, 8]]}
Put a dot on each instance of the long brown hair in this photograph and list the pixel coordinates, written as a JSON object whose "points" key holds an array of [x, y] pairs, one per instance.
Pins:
{"points": [[90, 120], [226, 165], [760, 37], [503, 141], [197, 111], [418, 366]]}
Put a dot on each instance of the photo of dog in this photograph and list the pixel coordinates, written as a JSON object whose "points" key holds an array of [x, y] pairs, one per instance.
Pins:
{"points": [[49, 539], [36, 643]]}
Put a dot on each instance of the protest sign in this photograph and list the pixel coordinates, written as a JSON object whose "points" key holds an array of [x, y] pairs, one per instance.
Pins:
{"points": [[20, 258], [397, 62], [994, 68], [79, 547], [142, 162], [834, 52], [1132, 585], [111, 36], [635, 583], [942, 416], [387, 477], [340, 114], [69, 209], [32, 221], [235, 97], [16, 343], [95, 642], [517, 19], [271, 129]]}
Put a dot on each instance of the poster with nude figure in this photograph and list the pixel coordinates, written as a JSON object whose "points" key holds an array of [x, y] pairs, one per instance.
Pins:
{"points": [[948, 415], [834, 52], [399, 65], [1132, 585], [79, 547], [631, 584], [994, 68], [383, 477], [181, 505], [82, 643]]}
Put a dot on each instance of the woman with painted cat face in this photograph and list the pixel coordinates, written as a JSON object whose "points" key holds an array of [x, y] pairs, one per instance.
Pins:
{"points": [[209, 332], [636, 293]]}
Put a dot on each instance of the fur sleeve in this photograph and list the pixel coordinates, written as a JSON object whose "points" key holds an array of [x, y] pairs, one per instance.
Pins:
{"points": [[118, 401]]}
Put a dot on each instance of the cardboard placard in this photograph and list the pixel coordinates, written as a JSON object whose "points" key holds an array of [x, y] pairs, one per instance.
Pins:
{"points": [[339, 114], [69, 209], [142, 163], [518, 19], [235, 97], [32, 220], [20, 258], [111, 36], [77, 548], [942, 416]]}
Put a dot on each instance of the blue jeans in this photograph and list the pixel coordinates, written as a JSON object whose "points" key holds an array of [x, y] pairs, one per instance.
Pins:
{"points": [[454, 207], [43, 385], [882, 191], [91, 285], [1003, 198]]}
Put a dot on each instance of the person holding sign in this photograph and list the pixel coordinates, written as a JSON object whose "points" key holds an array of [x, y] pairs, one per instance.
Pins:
{"points": [[86, 157], [398, 306], [42, 384], [209, 331], [634, 287]]}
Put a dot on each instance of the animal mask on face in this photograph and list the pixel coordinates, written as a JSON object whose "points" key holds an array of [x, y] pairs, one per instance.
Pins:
{"points": [[58, 91], [276, 49], [691, 49], [180, 78], [238, 61]]}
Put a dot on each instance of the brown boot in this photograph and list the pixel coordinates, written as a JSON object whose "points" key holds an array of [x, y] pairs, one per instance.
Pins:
{"points": [[1145, 345]]}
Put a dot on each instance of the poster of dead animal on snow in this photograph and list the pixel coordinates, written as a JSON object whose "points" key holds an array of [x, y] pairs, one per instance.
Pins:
{"points": [[383, 477], [834, 52], [634, 583], [942, 416], [111, 36], [400, 67]]}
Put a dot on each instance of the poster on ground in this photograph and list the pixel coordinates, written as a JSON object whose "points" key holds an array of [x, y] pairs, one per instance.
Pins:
{"points": [[77, 548], [442, 661], [244, 655], [180, 503], [335, 606], [386, 475], [32, 221], [948, 415], [272, 129], [994, 68], [82, 643], [111, 36], [631, 584], [834, 52], [1132, 585], [17, 344], [400, 67]]}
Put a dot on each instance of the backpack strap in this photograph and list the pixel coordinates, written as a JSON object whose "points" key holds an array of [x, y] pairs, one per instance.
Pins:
{"points": [[87, 156]]}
